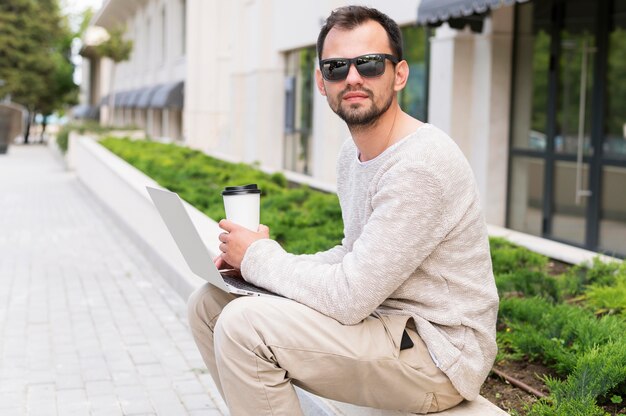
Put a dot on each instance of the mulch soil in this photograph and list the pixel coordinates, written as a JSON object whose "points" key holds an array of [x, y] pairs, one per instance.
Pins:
{"points": [[511, 398]]}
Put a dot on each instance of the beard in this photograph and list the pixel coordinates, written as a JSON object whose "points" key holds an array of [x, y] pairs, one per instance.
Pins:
{"points": [[355, 116]]}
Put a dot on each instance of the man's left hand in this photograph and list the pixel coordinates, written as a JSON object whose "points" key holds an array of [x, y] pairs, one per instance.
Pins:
{"points": [[236, 240]]}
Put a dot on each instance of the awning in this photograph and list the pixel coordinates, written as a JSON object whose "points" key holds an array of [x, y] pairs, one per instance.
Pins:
{"points": [[121, 97], [143, 101], [169, 96], [437, 11], [134, 99], [85, 111], [130, 95]]}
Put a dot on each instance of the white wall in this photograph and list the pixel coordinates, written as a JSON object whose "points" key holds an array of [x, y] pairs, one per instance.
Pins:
{"points": [[234, 107], [470, 95], [149, 64]]}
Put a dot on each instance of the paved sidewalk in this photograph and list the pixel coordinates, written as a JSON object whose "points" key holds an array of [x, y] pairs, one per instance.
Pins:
{"points": [[87, 325]]}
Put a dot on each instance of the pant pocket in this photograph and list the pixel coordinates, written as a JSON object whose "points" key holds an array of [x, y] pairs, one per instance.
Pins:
{"points": [[429, 404], [394, 326]]}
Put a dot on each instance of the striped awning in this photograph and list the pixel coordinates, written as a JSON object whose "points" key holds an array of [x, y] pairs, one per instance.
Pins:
{"points": [[437, 11], [169, 96]]}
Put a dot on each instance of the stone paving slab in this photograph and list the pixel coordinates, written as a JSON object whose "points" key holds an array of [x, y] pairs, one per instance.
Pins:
{"points": [[87, 325]]}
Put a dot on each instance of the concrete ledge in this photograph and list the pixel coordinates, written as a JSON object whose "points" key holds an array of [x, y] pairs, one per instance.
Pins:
{"points": [[478, 407], [553, 249], [120, 188]]}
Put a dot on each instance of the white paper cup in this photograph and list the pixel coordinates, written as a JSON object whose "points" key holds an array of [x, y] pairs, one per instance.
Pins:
{"points": [[242, 205]]}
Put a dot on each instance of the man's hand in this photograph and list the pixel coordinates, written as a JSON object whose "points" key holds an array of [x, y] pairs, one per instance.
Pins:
{"points": [[235, 243]]}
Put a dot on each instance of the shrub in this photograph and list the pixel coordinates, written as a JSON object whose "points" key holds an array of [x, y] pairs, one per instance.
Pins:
{"points": [[598, 372], [574, 281], [555, 334], [63, 137], [301, 219], [508, 257], [527, 283], [608, 299]]}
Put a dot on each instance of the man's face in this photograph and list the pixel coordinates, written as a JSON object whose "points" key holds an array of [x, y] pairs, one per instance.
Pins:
{"points": [[358, 100]]}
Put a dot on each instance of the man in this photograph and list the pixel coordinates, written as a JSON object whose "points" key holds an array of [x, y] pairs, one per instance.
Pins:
{"points": [[402, 314]]}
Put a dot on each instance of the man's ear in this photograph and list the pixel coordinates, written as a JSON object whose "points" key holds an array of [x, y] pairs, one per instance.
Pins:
{"points": [[402, 75], [319, 81]]}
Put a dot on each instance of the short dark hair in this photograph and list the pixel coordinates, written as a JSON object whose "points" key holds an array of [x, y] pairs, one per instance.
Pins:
{"points": [[349, 17]]}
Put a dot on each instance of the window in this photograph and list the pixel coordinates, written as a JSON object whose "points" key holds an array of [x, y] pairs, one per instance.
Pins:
{"points": [[299, 89], [413, 98]]}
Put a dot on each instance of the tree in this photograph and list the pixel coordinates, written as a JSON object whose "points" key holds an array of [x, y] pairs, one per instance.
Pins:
{"points": [[118, 50], [34, 56]]}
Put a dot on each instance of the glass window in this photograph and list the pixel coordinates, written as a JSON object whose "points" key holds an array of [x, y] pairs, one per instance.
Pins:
{"points": [[576, 68], [526, 200], [530, 100], [413, 98], [613, 212], [299, 89], [615, 117]]}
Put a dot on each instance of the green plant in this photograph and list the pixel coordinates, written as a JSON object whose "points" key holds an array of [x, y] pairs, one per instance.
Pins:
{"points": [[527, 283], [597, 373], [608, 299], [301, 219], [509, 258], [554, 334], [573, 282], [63, 137]]}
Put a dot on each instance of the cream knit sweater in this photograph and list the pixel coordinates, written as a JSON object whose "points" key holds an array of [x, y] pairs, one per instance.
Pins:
{"points": [[415, 244]]}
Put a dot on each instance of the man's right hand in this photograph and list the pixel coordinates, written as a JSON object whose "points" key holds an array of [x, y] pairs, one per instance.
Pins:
{"points": [[225, 268]]}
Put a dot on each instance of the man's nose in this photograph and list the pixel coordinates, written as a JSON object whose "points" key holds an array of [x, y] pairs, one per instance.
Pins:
{"points": [[354, 78]]}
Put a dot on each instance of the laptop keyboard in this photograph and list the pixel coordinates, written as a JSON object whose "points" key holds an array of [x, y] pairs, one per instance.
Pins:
{"points": [[239, 283]]}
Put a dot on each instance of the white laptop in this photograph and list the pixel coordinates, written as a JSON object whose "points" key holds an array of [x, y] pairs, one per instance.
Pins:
{"points": [[196, 254]]}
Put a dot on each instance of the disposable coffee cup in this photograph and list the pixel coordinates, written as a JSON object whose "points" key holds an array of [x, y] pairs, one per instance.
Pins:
{"points": [[242, 205]]}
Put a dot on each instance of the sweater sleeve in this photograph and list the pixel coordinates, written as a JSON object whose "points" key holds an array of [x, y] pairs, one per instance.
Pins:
{"points": [[331, 256], [404, 227]]}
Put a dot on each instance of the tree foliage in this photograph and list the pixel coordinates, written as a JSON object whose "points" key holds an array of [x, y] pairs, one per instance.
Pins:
{"points": [[116, 47], [35, 47]]}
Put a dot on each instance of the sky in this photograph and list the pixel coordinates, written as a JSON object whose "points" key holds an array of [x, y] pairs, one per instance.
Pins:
{"points": [[75, 8]]}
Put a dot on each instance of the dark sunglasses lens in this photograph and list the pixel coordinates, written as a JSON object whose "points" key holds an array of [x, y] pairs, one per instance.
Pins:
{"points": [[335, 69], [370, 65]]}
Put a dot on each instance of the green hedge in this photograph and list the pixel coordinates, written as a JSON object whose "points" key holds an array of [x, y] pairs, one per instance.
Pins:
{"points": [[301, 219]]}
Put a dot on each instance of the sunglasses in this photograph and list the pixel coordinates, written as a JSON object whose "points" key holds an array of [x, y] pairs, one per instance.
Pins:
{"points": [[370, 65]]}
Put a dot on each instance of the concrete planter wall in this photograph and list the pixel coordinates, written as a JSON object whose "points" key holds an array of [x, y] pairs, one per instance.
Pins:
{"points": [[122, 190]]}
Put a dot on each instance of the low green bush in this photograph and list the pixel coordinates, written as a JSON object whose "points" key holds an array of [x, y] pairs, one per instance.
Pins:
{"points": [[82, 127], [523, 282], [589, 353], [608, 299], [63, 137], [508, 257], [598, 374], [300, 219], [577, 278]]}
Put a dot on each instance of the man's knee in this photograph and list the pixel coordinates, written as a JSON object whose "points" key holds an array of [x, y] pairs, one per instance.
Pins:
{"points": [[200, 305], [238, 323]]}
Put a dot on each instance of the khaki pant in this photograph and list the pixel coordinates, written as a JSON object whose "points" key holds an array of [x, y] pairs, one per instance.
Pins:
{"points": [[257, 348]]}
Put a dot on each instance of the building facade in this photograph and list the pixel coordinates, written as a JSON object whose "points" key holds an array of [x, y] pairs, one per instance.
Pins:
{"points": [[530, 90], [146, 91]]}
